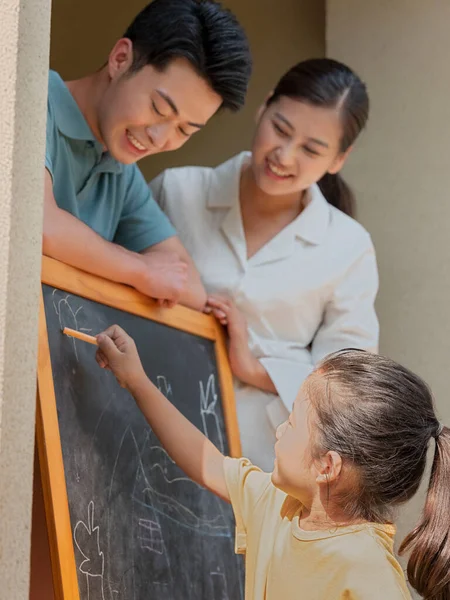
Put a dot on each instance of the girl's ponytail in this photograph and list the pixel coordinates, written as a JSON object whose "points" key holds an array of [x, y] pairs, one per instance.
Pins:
{"points": [[429, 543], [338, 193]]}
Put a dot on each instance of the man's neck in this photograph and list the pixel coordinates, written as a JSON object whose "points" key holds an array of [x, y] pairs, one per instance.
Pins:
{"points": [[87, 93]]}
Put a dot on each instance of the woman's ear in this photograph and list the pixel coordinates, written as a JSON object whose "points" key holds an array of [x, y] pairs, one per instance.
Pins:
{"points": [[339, 161]]}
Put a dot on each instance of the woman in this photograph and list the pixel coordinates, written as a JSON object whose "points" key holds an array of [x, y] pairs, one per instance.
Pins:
{"points": [[288, 270]]}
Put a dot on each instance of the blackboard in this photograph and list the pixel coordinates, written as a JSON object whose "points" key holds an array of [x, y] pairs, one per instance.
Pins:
{"points": [[140, 528]]}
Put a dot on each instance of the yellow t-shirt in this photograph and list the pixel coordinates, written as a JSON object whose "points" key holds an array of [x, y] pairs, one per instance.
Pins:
{"points": [[285, 562]]}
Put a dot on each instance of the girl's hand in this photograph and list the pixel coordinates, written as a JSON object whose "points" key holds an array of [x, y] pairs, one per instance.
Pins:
{"points": [[117, 352]]}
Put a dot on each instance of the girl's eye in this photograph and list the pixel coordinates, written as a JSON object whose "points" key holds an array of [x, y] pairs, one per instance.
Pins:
{"points": [[181, 130], [279, 130]]}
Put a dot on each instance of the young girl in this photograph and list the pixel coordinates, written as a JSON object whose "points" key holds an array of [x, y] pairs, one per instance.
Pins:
{"points": [[288, 270], [353, 448]]}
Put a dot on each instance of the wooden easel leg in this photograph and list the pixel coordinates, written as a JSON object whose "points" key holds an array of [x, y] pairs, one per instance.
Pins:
{"points": [[41, 580]]}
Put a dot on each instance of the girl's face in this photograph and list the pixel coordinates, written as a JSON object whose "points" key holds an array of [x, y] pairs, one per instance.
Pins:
{"points": [[295, 145], [295, 471]]}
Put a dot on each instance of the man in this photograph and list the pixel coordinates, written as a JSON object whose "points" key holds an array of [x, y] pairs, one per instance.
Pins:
{"points": [[177, 64]]}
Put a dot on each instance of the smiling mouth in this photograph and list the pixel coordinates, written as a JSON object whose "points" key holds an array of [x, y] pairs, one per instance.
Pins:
{"points": [[134, 142], [275, 170]]}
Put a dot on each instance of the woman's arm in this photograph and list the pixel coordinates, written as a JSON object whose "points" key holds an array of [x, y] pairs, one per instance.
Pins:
{"points": [[350, 320], [244, 365]]}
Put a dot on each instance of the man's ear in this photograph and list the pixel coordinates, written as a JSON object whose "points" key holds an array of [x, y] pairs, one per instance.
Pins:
{"points": [[120, 58]]}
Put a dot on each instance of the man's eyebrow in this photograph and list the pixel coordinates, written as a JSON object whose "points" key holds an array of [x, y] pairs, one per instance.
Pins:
{"points": [[174, 108]]}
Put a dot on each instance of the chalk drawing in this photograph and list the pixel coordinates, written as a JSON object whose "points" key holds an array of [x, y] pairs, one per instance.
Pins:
{"points": [[87, 540]]}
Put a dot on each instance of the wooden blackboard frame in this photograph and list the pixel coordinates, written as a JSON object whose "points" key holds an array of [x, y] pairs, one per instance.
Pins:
{"points": [[72, 280]]}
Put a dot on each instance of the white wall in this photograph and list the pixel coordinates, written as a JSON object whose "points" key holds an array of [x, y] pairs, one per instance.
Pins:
{"points": [[401, 172], [24, 49]]}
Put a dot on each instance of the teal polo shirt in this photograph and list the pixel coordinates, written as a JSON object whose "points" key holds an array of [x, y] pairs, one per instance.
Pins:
{"points": [[112, 198]]}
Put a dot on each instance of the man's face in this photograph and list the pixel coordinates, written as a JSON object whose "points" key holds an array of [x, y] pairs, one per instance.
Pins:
{"points": [[151, 111]]}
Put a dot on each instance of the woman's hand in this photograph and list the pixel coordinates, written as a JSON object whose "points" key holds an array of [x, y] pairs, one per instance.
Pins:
{"points": [[244, 365], [242, 361], [225, 310]]}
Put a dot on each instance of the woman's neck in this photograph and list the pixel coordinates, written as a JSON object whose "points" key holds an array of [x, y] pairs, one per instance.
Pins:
{"points": [[264, 216]]}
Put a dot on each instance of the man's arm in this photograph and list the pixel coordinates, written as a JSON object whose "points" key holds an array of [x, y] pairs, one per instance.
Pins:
{"points": [[66, 238], [194, 295]]}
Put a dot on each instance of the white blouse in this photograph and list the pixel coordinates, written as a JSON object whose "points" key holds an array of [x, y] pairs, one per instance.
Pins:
{"points": [[308, 292]]}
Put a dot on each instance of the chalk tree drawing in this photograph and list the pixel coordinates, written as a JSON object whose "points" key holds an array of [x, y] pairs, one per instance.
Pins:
{"points": [[219, 584], [68, 317], [87, 540], [164, 386], [210, 419]]}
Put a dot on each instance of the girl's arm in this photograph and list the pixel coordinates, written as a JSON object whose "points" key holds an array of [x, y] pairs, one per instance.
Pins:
{"points": [[185, 444]]}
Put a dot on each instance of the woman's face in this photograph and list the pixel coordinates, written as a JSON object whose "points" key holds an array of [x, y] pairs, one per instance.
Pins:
{"points": [[295, 145]]}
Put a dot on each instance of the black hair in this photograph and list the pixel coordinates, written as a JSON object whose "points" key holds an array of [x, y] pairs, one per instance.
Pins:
{"points": [[201, 31], [328, 83]]}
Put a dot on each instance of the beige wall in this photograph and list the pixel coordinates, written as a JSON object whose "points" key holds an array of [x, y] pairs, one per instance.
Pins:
{"points": [[24, 47], [84, 31], [402, 176]]}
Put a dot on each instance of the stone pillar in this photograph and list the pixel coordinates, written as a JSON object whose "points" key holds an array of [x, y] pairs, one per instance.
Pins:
{"points": [[24, 51]]}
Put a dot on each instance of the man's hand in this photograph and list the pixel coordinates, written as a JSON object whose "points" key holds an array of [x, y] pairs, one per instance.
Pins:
{"points": [[164, 277], [117, 352]]}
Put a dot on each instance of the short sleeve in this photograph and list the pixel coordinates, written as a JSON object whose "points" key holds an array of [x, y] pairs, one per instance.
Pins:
{"points": [[287, 375], [50, 140], [246, 485], [156, 186], [372, 581], [142, 223], [350, 320]]}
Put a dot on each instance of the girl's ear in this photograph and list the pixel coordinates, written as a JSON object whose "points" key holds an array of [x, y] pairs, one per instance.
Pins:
{"points": [[330, 467]]}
